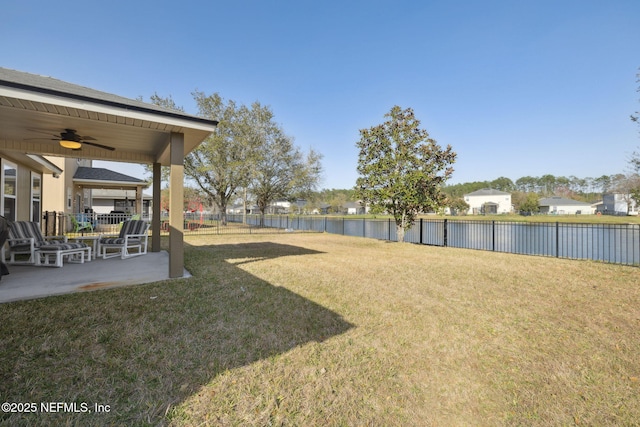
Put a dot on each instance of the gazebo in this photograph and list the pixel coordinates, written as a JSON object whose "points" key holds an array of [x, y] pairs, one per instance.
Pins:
{"points": [[45, 116]]}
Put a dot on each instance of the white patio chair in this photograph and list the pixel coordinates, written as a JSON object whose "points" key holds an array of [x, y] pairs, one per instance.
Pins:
{"points": [[133, 235], [25, 238]]}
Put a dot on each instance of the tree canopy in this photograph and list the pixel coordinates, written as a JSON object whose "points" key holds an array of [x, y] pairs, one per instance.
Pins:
{"points": [[248, 151], [401, 169]]}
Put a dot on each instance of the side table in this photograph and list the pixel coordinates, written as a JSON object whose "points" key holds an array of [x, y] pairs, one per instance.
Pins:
{"points": [[93, 241]]}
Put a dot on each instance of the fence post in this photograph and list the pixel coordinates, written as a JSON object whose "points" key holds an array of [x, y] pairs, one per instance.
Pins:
{"points": [[421, 231], [444, 234], [389, 229], [557, 239], [493, 236], [46, 223], [364, 227]]}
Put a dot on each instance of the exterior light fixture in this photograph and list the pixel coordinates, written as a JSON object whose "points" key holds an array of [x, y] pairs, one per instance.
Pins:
{"points": [[73, 145]]}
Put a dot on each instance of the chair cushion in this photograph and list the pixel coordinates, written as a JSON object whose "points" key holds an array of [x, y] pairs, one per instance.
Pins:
{"points": [[24, 230], [132, 227], [21, 246], [63, 246]]}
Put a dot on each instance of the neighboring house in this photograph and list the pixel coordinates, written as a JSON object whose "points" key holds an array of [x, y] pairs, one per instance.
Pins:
{"points": [[488, 201], [82, 188], [279, 207], [107, 200], [322, 209], [354, 208], [562, 206], [618, 204]]}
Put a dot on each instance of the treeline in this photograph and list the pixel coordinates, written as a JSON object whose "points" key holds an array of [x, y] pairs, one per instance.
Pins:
{"points": [[582, 189]]}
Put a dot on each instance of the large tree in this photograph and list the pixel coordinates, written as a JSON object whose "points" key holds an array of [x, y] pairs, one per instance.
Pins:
{"points": [[223, 162], [402, 169], [281, 169], [633, 181]]}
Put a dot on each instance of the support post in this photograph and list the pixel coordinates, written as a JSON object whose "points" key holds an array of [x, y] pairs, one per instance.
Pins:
{"points": [[176, 206], [156, 208]]}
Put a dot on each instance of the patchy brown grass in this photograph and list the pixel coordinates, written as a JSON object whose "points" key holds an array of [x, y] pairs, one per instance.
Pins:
{"points": [[315, 329]]}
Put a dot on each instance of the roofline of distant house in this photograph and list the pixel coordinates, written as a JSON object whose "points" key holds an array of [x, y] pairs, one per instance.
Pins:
{"points": [[116, 104]]}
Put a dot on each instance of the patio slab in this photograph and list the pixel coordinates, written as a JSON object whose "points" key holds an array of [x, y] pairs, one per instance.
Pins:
{"points": [[28, 282]]}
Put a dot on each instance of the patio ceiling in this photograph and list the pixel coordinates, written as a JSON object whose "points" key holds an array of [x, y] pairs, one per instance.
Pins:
{"points": [[34, 109]]}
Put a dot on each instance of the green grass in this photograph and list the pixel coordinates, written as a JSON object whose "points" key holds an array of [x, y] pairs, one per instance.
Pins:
{"points": [[316, 329]]}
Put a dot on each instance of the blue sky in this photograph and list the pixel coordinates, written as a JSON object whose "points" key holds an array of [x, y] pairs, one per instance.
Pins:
{"points": [[515, 87]]}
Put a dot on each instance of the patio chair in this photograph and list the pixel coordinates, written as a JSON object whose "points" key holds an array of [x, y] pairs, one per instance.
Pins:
{"points": [[133, 235], [25, 238], [80, 223]]}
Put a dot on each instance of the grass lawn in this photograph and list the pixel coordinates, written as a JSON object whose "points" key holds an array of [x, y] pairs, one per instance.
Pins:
{"points": [[318, 329]]}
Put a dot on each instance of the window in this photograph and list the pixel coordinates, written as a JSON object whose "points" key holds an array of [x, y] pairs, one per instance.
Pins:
{"points": [[9, 190], [36, 191]]}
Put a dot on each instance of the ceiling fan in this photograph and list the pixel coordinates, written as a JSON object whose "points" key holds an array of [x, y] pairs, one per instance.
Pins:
{"points": [[70, 139]]}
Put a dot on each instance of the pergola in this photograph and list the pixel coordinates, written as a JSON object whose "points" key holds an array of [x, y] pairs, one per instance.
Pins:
{"points": [[33, 106]]}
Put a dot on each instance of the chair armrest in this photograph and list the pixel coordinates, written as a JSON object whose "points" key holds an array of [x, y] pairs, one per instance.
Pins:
{"points": [[23, 240], [63, 238], [136, 235], [108, 236]]}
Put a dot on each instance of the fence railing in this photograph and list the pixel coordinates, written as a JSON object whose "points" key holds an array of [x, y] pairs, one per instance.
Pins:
{"points": [[612, 243]]}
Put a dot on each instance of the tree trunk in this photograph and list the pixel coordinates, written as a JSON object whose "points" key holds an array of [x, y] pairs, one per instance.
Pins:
{"points": [[244, 207], [223, 216], [400, 233]]}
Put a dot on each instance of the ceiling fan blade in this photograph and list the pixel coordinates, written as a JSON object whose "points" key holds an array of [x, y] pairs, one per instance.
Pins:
{"points": [[87, 138], [44, 132], [98, 145]]}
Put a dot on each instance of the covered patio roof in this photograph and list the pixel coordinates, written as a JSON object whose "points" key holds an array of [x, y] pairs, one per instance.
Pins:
{"points": [[35, 110]]}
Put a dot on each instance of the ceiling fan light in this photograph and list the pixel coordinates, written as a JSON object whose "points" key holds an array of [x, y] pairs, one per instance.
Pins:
{"points": [[73, 145]]}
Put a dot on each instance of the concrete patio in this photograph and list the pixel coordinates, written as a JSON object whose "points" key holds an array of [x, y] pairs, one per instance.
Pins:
{"points": [[28, 282]]}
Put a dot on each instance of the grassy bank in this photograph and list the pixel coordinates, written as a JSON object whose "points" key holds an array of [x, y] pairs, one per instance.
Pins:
{"points": [[316, 329]]}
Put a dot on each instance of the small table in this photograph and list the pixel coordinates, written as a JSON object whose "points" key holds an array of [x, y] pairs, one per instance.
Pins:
{"points": [[93, 241]]}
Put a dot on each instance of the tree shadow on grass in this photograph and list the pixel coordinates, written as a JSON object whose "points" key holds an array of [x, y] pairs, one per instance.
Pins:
{"points": [[143, 350]]}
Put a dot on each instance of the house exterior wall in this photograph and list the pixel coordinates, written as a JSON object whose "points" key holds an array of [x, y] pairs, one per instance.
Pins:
{"points": [[22, 210], [23, 201], [618, 204], [567, 209], [58, 188], [476, 202]]}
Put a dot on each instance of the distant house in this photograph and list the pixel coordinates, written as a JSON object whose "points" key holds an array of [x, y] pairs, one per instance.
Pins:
{"points": [[82, 188], [618, 204], [322, 209], [488, 201], [354, 208], [562, 206]]}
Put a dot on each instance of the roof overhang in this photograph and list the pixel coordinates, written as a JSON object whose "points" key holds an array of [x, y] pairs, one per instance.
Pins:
{"points": [[34, 162], [35, 109], [115, 185]]}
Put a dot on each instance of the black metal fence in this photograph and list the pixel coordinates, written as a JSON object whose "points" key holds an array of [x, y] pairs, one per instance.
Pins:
{"points": [[612, 243]]}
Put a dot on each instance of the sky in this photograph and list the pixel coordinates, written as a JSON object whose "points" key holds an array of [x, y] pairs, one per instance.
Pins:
{"points": [[517, 88]]}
